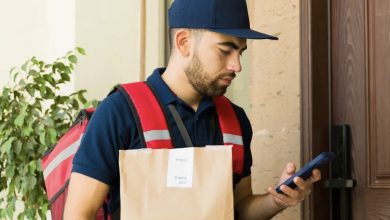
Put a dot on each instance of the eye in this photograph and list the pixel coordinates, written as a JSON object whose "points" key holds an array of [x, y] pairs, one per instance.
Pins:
{"points": [[225, 52]]}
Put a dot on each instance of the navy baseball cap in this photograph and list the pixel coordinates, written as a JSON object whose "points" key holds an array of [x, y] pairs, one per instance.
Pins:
{"points": [[228, 17]]}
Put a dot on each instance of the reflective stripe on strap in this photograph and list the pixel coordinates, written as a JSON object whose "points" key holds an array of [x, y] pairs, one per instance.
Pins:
{"points": [[63, 155], [233, 139], [155, 135], [152, 122]]}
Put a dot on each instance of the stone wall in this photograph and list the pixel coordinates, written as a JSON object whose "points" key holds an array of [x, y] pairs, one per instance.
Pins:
{"points": [[275, 93]]}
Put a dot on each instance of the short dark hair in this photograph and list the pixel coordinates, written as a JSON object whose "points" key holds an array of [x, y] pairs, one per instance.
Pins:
{"points": [[197, 33]]}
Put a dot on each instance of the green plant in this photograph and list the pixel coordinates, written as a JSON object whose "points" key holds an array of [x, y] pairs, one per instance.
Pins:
{"points": [[33, 115]]}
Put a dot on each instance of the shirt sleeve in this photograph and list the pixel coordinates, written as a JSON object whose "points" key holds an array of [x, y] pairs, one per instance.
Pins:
{"points": [[246, 129], [109, 130]]}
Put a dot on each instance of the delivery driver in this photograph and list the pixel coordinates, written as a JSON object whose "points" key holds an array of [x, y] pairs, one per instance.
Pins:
{"points": [[207, 40]]}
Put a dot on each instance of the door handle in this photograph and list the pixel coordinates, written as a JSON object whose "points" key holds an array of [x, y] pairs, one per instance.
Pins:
{"points": [[341, 183]]}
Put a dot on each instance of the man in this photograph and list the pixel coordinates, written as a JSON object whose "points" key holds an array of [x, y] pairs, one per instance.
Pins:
{"points": [[208, 38]]}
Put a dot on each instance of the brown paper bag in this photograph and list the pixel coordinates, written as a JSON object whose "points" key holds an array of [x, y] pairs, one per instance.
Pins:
{"points": [[177, 184]]}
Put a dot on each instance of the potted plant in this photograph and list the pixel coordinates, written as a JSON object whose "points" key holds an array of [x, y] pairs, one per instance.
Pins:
{"points": [[33, 115]]}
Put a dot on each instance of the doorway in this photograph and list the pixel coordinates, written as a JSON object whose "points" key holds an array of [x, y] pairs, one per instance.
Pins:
{"points": [[345, 79]]}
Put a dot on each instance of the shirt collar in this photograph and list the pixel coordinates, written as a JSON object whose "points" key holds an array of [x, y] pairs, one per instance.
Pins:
{"points": [[165, 94]]}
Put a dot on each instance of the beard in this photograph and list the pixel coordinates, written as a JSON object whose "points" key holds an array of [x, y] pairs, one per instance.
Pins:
{"points": [[202, 82]]}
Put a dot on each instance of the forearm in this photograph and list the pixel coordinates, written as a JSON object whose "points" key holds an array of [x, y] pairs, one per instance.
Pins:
{"points": [[259, 207]]}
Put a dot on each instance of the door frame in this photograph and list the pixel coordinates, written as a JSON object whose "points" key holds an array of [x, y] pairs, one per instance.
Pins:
{"points": [[315, 98]]}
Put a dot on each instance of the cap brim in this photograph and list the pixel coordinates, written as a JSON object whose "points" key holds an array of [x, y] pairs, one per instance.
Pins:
{"points": [[244, 33]]}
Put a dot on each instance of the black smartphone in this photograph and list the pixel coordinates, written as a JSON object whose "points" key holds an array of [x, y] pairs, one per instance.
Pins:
{"points": [[305, 172]]}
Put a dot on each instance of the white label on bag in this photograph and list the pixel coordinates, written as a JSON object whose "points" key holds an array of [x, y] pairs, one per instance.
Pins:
{"points": [[180, 167]]}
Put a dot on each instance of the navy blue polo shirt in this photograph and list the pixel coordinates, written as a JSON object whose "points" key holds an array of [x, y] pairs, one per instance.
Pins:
{"points": [[112, 127]]}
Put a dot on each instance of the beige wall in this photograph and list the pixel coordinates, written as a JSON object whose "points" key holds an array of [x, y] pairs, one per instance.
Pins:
{"points": [[124, 41], [275, 93], [44, 29], [109, 32]]}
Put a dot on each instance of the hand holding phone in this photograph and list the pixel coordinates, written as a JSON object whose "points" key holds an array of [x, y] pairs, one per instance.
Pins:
{"points": [[306, 171]]}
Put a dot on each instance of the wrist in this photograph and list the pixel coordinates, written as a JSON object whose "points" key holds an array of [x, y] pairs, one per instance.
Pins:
{"points": [[278, 204]]}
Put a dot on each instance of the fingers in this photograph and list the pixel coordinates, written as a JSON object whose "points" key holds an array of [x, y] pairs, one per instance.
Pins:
{"points": [[294, 193], [316, 175], [303, 187], [290, 168], [288, 198], [292, 197]]}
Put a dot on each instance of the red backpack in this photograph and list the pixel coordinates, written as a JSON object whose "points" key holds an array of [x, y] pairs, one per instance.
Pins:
{"points": [[57, 164]]}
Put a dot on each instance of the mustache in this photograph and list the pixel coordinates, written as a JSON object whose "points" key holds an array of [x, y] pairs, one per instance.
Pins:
{"points": [[232, 75]]}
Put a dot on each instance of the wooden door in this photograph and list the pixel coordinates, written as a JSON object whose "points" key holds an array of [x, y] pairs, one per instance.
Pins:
{"points": [[345, 53], [360, 97]]}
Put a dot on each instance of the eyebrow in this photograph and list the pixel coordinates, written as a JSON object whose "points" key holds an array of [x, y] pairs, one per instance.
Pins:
{"points": [[232, 45]]}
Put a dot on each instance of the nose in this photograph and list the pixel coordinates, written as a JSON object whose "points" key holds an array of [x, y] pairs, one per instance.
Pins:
{"points": [[234, 64]]}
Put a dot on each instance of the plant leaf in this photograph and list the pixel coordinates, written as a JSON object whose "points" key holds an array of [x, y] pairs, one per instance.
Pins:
{"points": [[6, 92], [10, 213], [42, 138], [72, 59], [81, 97], [49, 122], [80, 50], [19, 120], [3, 213], [24, 66], [52, 135], [26, 131], [15, 76], [31, 181], [34, 61], [30, 90], [65, 77], [75, 104], [6, 146], [32, 166], [33, 73], [10, 171], [32, 118], [42, 90], [17, 146]]}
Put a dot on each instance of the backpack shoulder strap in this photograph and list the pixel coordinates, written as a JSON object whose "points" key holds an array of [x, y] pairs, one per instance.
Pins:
{"points": [[231, 131], [147, 111]]}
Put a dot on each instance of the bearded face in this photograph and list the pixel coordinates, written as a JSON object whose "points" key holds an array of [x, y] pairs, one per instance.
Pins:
{"points": [[203, 82]]}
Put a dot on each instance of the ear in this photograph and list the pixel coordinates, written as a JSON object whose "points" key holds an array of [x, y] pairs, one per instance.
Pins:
{"points": [[182, 42]]}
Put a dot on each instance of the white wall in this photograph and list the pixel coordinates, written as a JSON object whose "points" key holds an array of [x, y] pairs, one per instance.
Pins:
{"points": [[44, 29]]}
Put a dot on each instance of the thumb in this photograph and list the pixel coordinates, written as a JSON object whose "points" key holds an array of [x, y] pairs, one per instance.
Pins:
{"points": [[289, 169]]}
